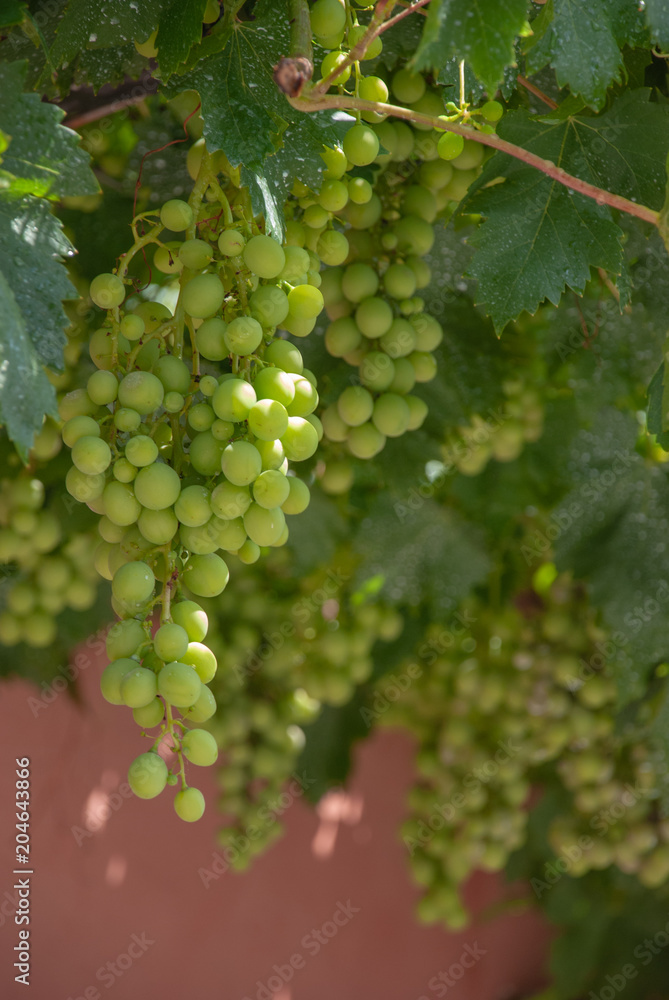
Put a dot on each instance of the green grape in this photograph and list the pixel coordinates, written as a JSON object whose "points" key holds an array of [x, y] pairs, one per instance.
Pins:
{"points": [[399, 281], [141, 450], [193, 508], [269, 305], [373, 88], [133, 583], [264, 257], [264, 526], [200, 747], [374, 317], [335, 429], [414, 235], [157, 486], [316, 218], [204, 707], [147, 775], [170, 642], [333, 196], [229, 534], [132, 327], [297, 263], [267, 420], [356, 33], [195, 254], [355, 405], [342, 336], [361, 145], [208, 384], [405, 141], [202, 540], [271, 489], [78, 427], [337, 478], [421, 271], [429, 333], [359, 281], [360, 190], [272, 383], [149, 716], [84, 488], [363, 216], [201, 659], [229, 501], [192, 618], [300, 440], [305, 301], [138, 687], [399, 340], [203, 296], [179, 684], [231, 243], [243, 335], [209, 340], [206, 453], [404, 376], [470, 157], [407, 87], [333, 60], [241, 463], [166, 260], [189, 804], [201, 416], [127, 419], [377, 371], [328, 17], [173, 402], [298, 326], [110, 680], [450, 145], [124, 638], [365, 441], [206, 575], [298, 497], [102, 388], [424, 365], [158, 526], [285, 356], [306, 398], [334, 159], [176, 215], [249, 552], [429, 104], [332, 247], [141, 391], [420, 201], [110, 532], [391, 415], [107, 291], [101, 350], [173, 374], [76, 403], [233, 399]]}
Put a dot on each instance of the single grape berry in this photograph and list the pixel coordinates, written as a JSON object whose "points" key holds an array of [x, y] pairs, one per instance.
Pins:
{"points": [[450, 145]]}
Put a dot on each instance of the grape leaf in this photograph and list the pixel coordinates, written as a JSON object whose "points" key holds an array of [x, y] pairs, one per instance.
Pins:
{"points": [[539, 236], [12, 12], [582, 42], [482, 32], [657, 16], [88, 24], [180, 28], [43, 157], [655, 423]]}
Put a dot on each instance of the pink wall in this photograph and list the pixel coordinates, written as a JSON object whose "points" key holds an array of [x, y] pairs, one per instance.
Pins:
{"points": [[131, 881]]}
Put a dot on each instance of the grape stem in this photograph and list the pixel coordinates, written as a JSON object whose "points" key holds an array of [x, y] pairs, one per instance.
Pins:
{"points": [[314, 102]]}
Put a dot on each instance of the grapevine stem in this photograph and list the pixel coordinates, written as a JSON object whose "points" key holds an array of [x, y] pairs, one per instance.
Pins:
{"points": [[140, 242], [300, 30], [602, 197], [409, 9], [537, 93]]}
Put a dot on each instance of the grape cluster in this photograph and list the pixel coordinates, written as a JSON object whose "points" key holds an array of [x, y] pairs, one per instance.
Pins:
{"points": [[522, 700], [47, 571], [181, 442]]}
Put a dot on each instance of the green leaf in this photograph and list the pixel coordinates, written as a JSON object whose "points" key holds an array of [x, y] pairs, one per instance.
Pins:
{"points": [[89, 24], [657, 17], [582, 42], [482, 32], [43, 157], [25, 392], [657, 413], [180, 28], [12, 12], [538, 236], [32, 246]]}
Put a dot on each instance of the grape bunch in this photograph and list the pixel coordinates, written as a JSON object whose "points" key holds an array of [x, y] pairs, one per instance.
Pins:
{"points": [[47, 570], [523, 700], [181, 441]]}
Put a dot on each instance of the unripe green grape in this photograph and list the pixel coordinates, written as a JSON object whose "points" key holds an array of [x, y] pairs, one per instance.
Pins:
{"points": [[421, 270], [360, 190], [192, 618], [264, 526], [363, 216], [271, 489], [305, 301], [373, 88], [192, 508], [109, 531], [124, 471], [342, 336], [377, 371], [82, 487], [429, 104], [189, 804], [176, 215], [178, 683], [141, 450], [39, 629], [78, 427], [173, 373], [123, 639], [470, 157], [332, 247], [208, 384], [107, 291], [267, 420], [102, 387], [414, 235], [315, 218], [429, 333], [337, 478], [404, 376], [405, 137], [158, 526], [195, 254], [399, 281], [112, 675], [407, 87], [459, 185], [335, 429], [249, 553], [272, 383], [492, 111], [153, 314], [300, 440], [101, 560], [173, 402], [202, 660], [229, 535], [334, 158], [166, 259], [141, 391], [170, 642], [203, 296], [206, 575], [391, 415], [399, 340], [200, 747], [359, 281], [374, 317], [269, 305], [306, 398], [133, 583], [127, 419], [147, 775], [233, 399], [365, 441], [298, 497], [205, 454], [450, 146], [418, 411], [76, 403], [356, 33], [295, 234], [285, 356], [264, 257], [424, 365], [149, 716], [138, 687], [229, 501], [332, 61], [101, 350], [298, 326], [209, 339], [420, 201], [243, 335], [361, 145], [157, 486], [201, 416], [132, 327], [241, 463], [204, 707], [328, 17], [355, 405], [297, 263], [333, 196], [271, 454]]}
